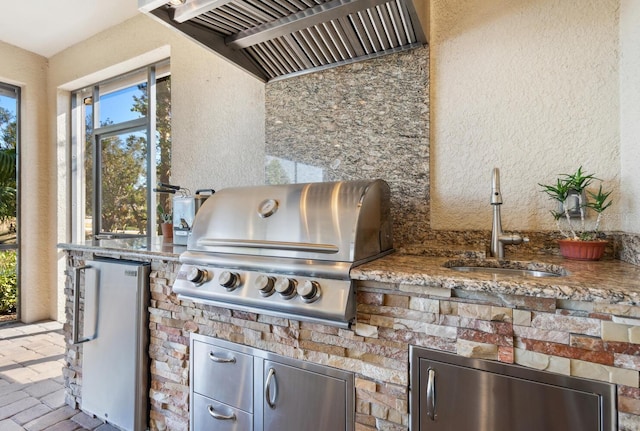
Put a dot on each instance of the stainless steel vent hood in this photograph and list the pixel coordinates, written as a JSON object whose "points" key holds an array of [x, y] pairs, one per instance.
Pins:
{"points": [[275, 39]]}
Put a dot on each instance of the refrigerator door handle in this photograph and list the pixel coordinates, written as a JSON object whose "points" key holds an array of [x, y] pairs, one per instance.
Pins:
{"points": [[76, 306]]}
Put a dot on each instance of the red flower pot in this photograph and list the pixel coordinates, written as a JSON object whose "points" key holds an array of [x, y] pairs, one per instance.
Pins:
{"points": [[582, 250], [167, 231]]}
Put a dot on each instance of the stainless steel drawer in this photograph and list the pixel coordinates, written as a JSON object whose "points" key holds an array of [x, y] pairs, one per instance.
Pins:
{"points": [[212, 415], [224, 375]]}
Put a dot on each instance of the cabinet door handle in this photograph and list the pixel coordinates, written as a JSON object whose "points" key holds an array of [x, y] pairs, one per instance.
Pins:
{"points": [[220, 416], [221, 360], [431, 394], [267, 391]]}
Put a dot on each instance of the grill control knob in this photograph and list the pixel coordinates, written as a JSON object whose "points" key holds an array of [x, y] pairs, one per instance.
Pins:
{"points": [[286, 287], [229, 280], [197, 275], [309, 290], [264, 284]]}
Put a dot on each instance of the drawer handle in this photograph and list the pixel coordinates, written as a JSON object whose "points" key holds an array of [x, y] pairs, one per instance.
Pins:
{"points": [[220, 416], [221, 360], [431, 394]]}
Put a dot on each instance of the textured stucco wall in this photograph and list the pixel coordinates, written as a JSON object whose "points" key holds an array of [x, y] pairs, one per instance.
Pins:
{"points": [[362, 121], [37, 234], [531, 87], [630, 114]]}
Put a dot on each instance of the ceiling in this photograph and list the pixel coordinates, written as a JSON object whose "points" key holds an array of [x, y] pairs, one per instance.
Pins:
{"points": [[47, 27]]}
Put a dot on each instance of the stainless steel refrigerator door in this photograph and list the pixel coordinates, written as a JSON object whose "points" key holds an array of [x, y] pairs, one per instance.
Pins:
{"points": [[114, 364]]}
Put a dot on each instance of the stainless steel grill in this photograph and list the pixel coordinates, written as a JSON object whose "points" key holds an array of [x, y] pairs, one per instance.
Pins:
{"points": [[286, 250], [274, 39]]}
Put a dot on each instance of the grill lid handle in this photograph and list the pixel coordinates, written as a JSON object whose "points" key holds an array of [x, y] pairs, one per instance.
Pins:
{"points": [[272, 245]]}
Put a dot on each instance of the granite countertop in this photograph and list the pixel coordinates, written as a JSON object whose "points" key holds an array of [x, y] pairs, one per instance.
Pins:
{"points": [[610, 281], [129, 248]]}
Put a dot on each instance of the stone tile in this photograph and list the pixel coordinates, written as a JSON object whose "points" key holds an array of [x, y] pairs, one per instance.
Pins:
{"points": [[541, 361], [43, 388], [474, 311], [471, 349], [31, 414], [55, 399], [86, 421], [20, 375], [46, 370], [615, 332], [106, 427], [10, 387], [16, 407], [604, 373], [522, 317], [574, 324], [67, 425], [628, 422], [12, 397], [49, 419], [9, 425]]}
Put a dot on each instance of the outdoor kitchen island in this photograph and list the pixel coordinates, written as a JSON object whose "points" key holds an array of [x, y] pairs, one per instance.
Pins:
{"points": [[585, 324]]}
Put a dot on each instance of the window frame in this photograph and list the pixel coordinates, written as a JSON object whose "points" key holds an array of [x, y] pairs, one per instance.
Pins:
{"points": [[147, 124]]}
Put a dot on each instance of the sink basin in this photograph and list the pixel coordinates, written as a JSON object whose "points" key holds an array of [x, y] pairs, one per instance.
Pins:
{"points": [[505, 271], [507, 268]]}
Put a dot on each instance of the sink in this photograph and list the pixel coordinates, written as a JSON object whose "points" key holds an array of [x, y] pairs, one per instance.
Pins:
{"points": [[507, 268]]}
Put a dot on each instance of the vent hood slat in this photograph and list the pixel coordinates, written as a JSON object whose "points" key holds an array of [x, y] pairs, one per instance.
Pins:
{"points": [[397, 24], [196, 7], [275, 39], [347, 28], [299, 21], [297, 53], [388, 27]]}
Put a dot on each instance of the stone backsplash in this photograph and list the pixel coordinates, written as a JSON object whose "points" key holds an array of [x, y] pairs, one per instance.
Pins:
{"points": [[361, 121]]}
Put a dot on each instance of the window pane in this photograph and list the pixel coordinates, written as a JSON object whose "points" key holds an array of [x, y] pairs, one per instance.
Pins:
{"points": [[124, 183], [123, 99], [88, 165], [163, 138], [8, 160]]}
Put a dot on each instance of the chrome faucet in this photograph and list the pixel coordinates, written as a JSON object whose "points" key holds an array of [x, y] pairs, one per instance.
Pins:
{"points": [[499, 238]]}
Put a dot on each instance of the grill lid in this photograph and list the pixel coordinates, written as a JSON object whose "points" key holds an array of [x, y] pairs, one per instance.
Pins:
{"points": [[274, 39], [346, 221]]}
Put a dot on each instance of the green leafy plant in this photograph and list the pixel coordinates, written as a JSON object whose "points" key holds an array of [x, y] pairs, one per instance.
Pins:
{"points": [[575, 186], [165, 216], [8, 282]]}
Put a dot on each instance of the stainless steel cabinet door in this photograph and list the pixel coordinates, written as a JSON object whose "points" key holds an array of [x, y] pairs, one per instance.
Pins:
{"points": [[296, 399], [456, 398]]}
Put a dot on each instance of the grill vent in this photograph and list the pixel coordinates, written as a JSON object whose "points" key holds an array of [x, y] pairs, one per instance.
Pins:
{"points": [[274, 39]]}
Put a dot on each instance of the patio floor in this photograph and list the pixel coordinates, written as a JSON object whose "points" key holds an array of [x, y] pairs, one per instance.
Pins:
{"points": [[31, 385]]}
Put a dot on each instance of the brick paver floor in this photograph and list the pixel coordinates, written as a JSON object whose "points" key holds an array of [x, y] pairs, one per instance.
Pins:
{"points": [[32, 394]]}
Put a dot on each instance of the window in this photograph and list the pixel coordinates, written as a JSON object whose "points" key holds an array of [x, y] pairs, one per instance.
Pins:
{"points": [[121, 149], [9, 201]]}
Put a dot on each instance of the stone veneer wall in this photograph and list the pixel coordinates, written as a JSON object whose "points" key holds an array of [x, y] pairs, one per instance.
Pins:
{"points": [[360, 121], [590, 340]]}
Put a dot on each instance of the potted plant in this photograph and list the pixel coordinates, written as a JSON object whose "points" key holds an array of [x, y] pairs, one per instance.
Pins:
{"points": [[166, 223], [573, 199]]}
